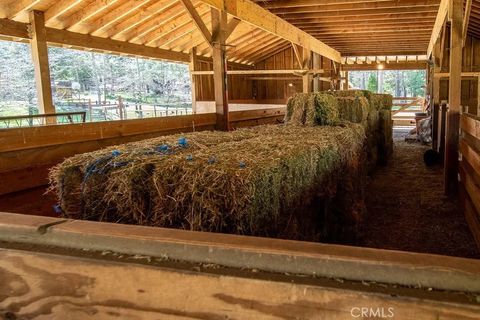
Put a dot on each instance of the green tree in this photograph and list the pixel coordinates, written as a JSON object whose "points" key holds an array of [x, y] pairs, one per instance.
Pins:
{"points": [[372, 84]]}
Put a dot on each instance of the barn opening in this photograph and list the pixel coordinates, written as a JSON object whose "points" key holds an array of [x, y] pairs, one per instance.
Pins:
{"points": [[271, 156]]}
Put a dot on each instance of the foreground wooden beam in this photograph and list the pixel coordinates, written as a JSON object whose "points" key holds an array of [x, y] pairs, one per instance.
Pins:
{"points": [[437, 27], [454, 97], [40, 63], [466, 19], [192, 66], [252, 13], [299, 72]]}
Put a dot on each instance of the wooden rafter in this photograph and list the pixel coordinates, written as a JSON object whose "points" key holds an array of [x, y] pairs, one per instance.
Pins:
{"points": [[437, 27], [12, 9], [73, 21], [252, 13], [197, 20], [231, 26], [59, 8], [466, 19]]}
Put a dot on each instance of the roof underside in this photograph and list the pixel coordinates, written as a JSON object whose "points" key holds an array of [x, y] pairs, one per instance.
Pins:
{"points": [[367, 27], [353, 27]]}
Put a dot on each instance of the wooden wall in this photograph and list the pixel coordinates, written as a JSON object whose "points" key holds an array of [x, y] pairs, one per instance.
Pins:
{"points": [[251, 89], [471, 63], [240, 87]]}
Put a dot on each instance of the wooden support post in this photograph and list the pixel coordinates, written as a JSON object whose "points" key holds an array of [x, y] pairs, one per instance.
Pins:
{"points": [[192, 67], [345, 84], [454, 97], [40, 62], [316, 65], [478, 96], [307, 78], [219, 29]]}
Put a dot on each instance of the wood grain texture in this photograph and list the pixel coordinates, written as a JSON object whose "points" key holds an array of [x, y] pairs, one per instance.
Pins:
{"points": [[46, 286]]}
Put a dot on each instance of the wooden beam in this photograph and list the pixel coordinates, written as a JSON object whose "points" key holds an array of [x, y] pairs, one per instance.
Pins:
{"points": [[41, 65], [463, 74], [231, 26], [220, 78], [192, 67], [437, 27], [252, 13], [14, 29], [454, 98], [63, 37], [13, 8], [307, 84], [197, 20], [59, 8], [299, 72], [466, 19]]}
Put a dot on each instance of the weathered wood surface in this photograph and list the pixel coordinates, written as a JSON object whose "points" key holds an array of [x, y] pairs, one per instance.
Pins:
{"points": [[47, 286], [271, 255]]}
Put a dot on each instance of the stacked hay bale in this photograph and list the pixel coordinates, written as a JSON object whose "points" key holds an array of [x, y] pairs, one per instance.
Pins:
{"points": [[262, 181]]}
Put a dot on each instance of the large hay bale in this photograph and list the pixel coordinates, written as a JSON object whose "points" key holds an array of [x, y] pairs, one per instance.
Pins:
{"points": [[260, 181], [353, 109], [385, 136], [312, 109]]}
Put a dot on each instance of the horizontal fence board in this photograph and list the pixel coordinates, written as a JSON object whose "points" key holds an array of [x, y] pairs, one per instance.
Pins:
{"points": [[470, 124], [24, 138]]}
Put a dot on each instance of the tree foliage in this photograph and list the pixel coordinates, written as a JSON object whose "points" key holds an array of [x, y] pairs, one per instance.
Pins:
{"points": [[407, 83]]}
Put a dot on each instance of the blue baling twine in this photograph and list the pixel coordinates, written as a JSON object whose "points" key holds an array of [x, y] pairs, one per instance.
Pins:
{"points": [[242, 164], [182, 142]]}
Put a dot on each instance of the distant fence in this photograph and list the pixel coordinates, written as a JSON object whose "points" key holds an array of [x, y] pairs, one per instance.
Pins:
{"points": [[42, 119], [404, 109], [469, 168]]}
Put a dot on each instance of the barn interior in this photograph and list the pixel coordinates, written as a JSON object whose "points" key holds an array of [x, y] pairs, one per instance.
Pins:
{"points": [[283, 192]]}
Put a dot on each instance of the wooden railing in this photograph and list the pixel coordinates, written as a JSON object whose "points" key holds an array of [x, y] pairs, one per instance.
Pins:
{"points": [[469, 168], [404, 109], [34, 120]]}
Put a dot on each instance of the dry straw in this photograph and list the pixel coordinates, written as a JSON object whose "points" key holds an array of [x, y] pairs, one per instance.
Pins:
{"points": [[302, 180]]}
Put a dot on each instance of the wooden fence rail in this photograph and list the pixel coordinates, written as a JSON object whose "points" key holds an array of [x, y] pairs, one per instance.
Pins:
{"points": [[470, 171]]}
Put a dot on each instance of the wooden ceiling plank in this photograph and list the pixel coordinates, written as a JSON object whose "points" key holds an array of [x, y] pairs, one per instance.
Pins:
{"points": [[231, 26], [141, 15], [197, 20], [169, 16], [124, 10], [12, 9], [466, 18], [252, 13], [59, 8], [72, 22]]}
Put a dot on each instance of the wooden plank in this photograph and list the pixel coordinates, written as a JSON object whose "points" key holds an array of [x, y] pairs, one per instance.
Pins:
{"points": [[471, 155], [466, 19], [39, 284], [454, 94], [256, 114], [437, 27], [299, 72], [63, 37], [252, 13], [41, 65], [192, 67], [271, 255], [471, 125], [197, 20], [14, 29], [473, 219], [25, 138], [231, 26]]}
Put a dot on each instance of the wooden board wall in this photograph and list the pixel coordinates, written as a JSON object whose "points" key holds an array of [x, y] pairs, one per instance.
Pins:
{"points": [[240, 87], [471, 63]]}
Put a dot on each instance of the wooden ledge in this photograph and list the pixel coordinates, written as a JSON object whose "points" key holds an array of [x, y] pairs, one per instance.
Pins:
{"points": [[283, 256]]}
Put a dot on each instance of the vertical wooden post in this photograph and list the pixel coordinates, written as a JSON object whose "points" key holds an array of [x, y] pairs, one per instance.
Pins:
{"points": [[120, 107], [192, 67], [478, 96], [220, 80], [40, 62], [454, 97], [316, 65], [307, 78], [345, 84]]}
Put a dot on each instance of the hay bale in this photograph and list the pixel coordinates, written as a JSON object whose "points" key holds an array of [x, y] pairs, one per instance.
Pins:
{"points": [[258, 181], [312, 109], [383, 101], [353, 109]]}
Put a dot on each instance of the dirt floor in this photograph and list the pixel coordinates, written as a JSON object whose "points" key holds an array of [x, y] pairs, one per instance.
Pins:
{"points": [[408, 211]]}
